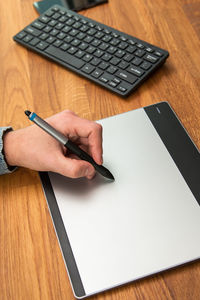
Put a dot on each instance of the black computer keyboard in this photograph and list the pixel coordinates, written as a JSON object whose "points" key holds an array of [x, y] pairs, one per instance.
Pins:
{"points": [[111, 58]]}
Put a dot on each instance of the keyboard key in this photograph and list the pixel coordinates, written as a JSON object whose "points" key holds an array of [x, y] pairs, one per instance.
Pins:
{"points": [[56, 16], [57, 43], [92, 31], [91, 49], [68, 39], [81, 36], [72, 50], [73, 32], [137, 61], [106, 57], [34, 42], [114, 34], [95, 61], [76, 42], [122, 38], [97, 73], [114, 42], [83, 46], [70, 22], [103, 79], [21, 35], [83, 21], [47, 29], [145, 65], [49, 13], [98, 27], [96, 43], [44, 36], [131, 42], [121, 89], [53, 23], [103, 65], [54, 32], [111, 50], [126, 76], [62, 12], [151, 58], [112, 69], [106, 38], [139, 53], [84, 28], [131, 49], [80, 54], [99, 35], [66, 29], [42, 45], [59, 26], [116, 80], [114, 61], [88, 68], [135, 70], [51, 39], [107, 31], [123, 65], [120, 53], [27, 38], [98, 53], [55, 9], [87, 57], [150, 50], [76, 18], [77, 25], [91, 24], [88, 39], [112, 83], [103, 46], [158, 53], [139, 45], [33, 31], [124, 86], [65, 57], [38, 25], [123, 45], [62, 19], [128, 57], [65, 46]]}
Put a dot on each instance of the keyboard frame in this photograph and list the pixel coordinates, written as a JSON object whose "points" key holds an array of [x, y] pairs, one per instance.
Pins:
{"points": [[135, 85]]}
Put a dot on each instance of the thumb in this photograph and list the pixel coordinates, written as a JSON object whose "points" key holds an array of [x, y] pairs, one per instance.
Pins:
{"points": [[74, 168]]}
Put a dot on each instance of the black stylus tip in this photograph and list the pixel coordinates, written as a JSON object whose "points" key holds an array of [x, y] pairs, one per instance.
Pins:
{"points": [[105, 172], [109, 175], [27, 112]]}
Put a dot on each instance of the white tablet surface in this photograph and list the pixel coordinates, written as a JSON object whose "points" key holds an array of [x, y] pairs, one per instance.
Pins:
{"points": [[147, 220]]}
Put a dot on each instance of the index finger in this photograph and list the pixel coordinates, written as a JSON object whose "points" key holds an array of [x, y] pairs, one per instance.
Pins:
{"points": [[92, 132]]}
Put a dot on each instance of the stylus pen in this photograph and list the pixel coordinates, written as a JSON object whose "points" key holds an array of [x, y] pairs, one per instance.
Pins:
{"points": [[68, 144]]}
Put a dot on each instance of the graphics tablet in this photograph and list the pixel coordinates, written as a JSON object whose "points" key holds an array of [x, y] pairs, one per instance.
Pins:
{"points": [[147, 220]]}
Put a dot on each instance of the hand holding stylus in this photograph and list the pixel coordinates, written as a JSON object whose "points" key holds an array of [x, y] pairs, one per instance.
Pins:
{"points": [[33, 148]]}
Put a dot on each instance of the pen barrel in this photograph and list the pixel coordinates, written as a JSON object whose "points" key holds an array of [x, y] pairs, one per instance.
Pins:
{"points": [[80, 153]]}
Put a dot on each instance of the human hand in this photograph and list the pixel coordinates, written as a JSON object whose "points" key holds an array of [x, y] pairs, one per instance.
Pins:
{"points": [[33, 148]]}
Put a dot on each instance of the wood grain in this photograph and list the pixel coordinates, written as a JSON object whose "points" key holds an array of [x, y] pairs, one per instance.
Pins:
{"points": [[31, 265]]}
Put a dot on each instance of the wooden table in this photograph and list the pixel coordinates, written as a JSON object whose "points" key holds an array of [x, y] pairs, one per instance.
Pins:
{"points": [[31, 264]]}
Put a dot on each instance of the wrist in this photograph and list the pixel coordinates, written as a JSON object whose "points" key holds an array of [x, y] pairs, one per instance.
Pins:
{"points": [[9, 148]]}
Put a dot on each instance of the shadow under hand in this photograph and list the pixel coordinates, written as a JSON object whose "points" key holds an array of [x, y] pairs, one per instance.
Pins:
{"points": [[79, 186]]}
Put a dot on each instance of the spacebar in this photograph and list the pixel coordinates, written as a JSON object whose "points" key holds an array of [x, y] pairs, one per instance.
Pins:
{"points": [[64, 56]]}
